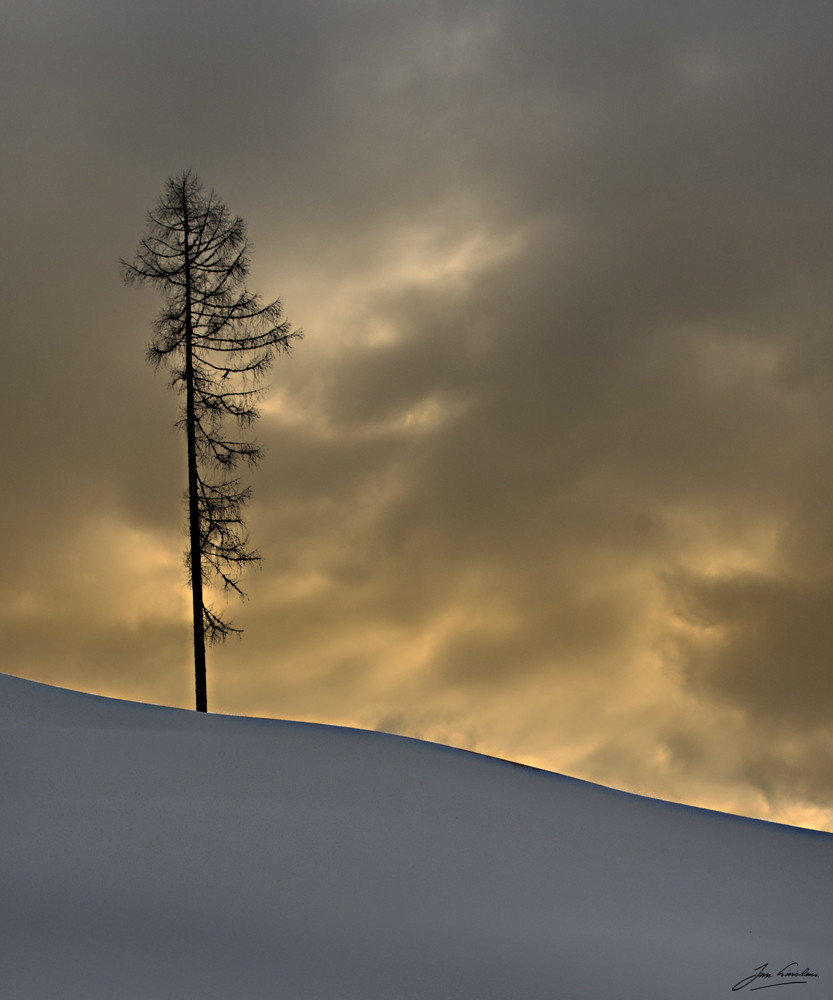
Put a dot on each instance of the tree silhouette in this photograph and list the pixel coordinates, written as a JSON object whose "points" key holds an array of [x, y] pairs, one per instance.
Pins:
{"points": [[217, 340]]}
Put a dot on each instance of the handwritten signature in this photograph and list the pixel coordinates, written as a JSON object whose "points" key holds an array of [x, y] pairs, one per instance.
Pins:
{"points": [[788, 976]]}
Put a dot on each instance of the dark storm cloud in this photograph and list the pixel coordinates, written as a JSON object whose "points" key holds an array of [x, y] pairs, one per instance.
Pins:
{"points": [[773, 656], [549, 471]]}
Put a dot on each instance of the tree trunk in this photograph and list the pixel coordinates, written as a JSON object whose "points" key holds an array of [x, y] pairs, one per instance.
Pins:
{"points": [[193, 496]]}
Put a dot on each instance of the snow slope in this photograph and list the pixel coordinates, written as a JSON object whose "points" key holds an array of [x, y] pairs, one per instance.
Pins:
{"points": [[152, 853]]}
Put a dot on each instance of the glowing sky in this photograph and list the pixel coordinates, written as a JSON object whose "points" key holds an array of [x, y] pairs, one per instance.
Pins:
{"points": [[550, 476]]}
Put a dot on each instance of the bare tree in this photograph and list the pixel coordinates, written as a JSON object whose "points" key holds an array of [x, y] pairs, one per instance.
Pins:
{"points": [[217, 340]]}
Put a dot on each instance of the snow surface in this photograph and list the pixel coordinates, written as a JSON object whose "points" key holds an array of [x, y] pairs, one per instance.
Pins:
{"points": [[155, 853]]}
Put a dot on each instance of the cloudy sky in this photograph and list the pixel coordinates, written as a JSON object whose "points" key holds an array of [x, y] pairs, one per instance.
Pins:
{"points": [[550, 475]]}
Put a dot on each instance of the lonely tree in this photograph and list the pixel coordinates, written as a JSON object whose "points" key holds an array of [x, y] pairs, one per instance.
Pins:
{"points": [[217, 340]]}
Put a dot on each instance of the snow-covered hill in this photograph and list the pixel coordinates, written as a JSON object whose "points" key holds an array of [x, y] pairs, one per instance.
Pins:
{"points": [[156, 854]]}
